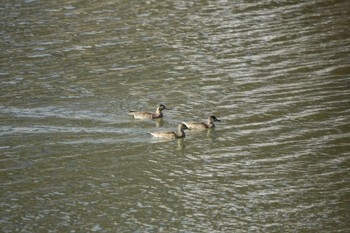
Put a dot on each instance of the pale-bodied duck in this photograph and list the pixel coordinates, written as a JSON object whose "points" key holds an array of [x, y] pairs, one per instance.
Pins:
{"points": [[202, 125], [172, 135], [148, 115]]}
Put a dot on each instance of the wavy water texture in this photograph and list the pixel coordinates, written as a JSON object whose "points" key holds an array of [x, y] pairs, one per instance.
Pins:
{"points": [[275, 72]]}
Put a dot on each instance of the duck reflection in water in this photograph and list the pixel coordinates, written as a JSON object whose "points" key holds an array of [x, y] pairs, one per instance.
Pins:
{"points": [[159, 122]]}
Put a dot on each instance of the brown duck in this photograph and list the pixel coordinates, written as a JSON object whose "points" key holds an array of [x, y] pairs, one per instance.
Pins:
{"points": [[149, 115], [202, 125], [172, 135]]}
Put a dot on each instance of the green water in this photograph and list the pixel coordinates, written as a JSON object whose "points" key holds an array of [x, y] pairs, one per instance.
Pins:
{"points": [[276, 73]]}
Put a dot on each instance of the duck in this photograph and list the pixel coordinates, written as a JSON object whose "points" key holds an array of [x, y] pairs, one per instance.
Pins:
{"points": [[148, 115], [172, 135], [202, 125]]}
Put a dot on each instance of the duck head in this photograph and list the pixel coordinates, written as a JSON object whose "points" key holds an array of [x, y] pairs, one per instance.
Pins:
{"points": [[162, 107], [213, 118]]}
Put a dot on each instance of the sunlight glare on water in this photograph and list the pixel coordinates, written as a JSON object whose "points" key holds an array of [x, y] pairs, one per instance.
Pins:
{"points": [[276, 73]]}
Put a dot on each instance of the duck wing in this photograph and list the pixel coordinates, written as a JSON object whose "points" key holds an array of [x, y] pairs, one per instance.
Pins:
{"points": [[141, 115], [196, 125], [164, 134]]}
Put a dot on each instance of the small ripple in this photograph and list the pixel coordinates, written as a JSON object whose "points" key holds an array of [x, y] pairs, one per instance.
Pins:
{"points": [[46, 112]]}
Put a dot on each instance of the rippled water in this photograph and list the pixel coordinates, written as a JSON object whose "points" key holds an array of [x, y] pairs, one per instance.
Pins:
{"points": [[277, 73]]}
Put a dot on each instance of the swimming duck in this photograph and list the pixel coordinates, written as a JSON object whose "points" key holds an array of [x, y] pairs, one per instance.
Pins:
{"points": [[172, 135], [148, 115], [202, 125]]}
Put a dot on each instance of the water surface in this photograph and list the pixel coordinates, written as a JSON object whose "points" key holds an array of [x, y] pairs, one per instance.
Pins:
{"points": [[275, 73]]}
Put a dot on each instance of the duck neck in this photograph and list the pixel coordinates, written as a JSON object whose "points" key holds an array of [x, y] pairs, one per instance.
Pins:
{"points": [[159, 112], [181, 133], [210, 123]]}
